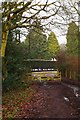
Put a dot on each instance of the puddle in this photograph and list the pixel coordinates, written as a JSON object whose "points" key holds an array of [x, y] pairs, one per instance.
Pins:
{"points": [[66, 99], [75, 89]]}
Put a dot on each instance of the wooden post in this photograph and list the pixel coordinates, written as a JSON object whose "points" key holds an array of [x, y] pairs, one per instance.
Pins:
{"points": [[57, 72], [74, 75], [60, 75], [66, 73], [70, 75]]}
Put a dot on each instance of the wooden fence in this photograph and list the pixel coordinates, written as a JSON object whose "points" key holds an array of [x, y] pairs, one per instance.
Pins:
{"points": [[44, 75], [70, 74]]}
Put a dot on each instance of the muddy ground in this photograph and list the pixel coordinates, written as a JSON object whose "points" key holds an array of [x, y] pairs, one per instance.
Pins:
{"points": [[52, 100]]}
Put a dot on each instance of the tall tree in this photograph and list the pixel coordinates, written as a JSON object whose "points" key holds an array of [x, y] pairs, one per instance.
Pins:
{"points": [[13, 63], [37, 42], [73, 39], [73, 50], [53, 45], [16, 11]]}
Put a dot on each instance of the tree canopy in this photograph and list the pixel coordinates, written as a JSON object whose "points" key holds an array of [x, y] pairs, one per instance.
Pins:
{"points": [[73, 39], [53, 45], [36, 41], [23, 13]]}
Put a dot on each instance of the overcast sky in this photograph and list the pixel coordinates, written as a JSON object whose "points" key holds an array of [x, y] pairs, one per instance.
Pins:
{"points": [[59, 30]]}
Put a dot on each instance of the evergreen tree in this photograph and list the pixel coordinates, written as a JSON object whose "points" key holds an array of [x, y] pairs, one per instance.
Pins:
{"points": [[53, 45], [37, 42], [13, 64], [73, 50], [72, 39]]}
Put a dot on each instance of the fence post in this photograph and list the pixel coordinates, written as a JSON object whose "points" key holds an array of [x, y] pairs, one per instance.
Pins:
{"points": [[66, 73], [57, 71], [70, 75], [74, 75], [60, 75]]}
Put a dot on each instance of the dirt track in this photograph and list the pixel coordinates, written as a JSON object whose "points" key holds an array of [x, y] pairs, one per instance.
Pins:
{"points": [[52, 100]]}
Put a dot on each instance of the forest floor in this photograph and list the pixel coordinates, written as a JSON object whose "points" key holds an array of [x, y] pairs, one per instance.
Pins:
{"points": [[49, 100]]}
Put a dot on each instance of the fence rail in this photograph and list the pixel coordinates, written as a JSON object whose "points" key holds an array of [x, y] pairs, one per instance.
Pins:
{"points": [[44, 75]]}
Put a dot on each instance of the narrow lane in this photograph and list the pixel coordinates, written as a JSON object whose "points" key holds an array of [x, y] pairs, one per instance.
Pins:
{"points": [[52, 101]]}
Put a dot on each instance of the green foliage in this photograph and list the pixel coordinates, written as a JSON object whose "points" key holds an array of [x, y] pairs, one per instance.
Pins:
{"points": [[37, 42], [13, 64], [73, 39], [53, 46], [73, 48]]}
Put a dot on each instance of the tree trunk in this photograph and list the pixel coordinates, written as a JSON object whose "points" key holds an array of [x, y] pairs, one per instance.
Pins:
{"points": [[4, 42]]}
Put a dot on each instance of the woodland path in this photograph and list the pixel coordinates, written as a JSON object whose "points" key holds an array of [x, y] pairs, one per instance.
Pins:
{"points": [[52, 100]]}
